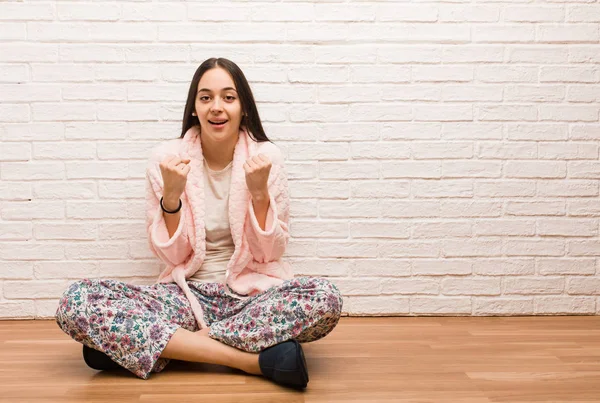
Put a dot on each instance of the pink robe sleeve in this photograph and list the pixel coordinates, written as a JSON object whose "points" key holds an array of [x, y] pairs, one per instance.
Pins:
{"points": [[269, 245], [174, 250]]}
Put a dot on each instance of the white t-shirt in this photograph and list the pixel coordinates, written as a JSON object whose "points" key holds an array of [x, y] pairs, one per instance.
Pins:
{"points": [[219, 243]]}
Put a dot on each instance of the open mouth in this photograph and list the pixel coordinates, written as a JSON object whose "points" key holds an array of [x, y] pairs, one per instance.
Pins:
{"points": [[218, 122]]}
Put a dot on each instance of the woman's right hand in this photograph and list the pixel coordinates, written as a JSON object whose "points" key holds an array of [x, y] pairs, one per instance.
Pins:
{"points": [[174, 171]]}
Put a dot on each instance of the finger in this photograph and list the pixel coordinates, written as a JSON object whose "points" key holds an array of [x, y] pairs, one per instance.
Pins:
{"points": [[186, 169], [169, 159], [251, 164], [266, 161], [264, 158], [174, 162]]}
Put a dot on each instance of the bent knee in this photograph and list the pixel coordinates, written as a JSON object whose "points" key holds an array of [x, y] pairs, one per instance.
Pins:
{"points": [[72, 299], [331, 295]]}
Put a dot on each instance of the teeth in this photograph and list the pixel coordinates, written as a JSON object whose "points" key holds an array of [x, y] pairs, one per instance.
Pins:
{"points": [[218, 122]]}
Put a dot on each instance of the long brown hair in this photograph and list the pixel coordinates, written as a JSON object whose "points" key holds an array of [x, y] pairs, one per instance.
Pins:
{"points": [[251, 121]]}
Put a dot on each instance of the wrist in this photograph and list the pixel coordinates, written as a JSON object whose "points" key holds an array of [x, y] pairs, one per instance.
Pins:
{"points": [[260, 196], [170, 203]]}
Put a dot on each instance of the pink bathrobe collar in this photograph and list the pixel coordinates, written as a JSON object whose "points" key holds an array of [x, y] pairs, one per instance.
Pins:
{"points": [[239, 197]]}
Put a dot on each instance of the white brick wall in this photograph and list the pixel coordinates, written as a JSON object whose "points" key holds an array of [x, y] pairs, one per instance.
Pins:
{"points": [[443, 155]]}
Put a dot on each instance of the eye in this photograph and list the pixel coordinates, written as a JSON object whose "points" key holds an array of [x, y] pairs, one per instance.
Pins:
{"points": [[230, 98], [204, 98]]}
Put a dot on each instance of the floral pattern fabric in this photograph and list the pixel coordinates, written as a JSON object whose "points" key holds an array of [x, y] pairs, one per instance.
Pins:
{"points": [[132, 324]]}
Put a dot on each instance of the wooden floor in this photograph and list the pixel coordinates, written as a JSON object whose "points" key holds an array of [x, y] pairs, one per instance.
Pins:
{"points": [[404, 359]]}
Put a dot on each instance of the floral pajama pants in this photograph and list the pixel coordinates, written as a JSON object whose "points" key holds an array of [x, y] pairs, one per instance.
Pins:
{"points": [[132, 324]]}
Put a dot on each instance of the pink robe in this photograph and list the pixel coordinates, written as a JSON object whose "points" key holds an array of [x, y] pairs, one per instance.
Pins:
{"points": [[256, 263]]}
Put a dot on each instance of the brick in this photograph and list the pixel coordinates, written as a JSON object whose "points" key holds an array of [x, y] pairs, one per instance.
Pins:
{"points": [[504, 227], [534, 93], [535, 169], [87, 12], [495, 306], [549, 267], [374, 306], [533, 285], [568, 151], [447, 188], [373, 229], [31, 251], [583, 285], [358, 286], [378, 189], [534, 13], [410, 286], [15, 191], [15, 151], [347, 169], [351, 12], [558, 305], [348, 209], [468, 13], [504, 267], [470, 286], [321, 267], [534, 247], [538, 54], [65, 270], [96, 250], [509, 33], [417, 13], [319, 229], [156, 12], [470, 208], [331, 249], [66, 231], [472, 131], [379, 267], [17, 309], [406, 209], [440, 306], [472, 248], [504, 188], [405, 249], [33, 289], [583, 248], [429, 230], [471, 169], [17, 270], [446, 267], [16, 231], [508, 150], [567, 188], [568, 33]]}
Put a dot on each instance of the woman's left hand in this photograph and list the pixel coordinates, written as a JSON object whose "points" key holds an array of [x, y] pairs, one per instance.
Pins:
{"points": [[257, 175]]}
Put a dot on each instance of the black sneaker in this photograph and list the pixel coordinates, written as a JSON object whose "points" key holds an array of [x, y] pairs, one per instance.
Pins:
{"points": [[284, 363], [97, 359]]}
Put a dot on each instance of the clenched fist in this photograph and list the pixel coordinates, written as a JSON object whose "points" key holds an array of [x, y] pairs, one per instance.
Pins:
{"points": [[174, 172], [257, 174]]}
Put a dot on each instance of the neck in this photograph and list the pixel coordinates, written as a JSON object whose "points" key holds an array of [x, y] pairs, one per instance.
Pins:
{"points": [[218, 155]]}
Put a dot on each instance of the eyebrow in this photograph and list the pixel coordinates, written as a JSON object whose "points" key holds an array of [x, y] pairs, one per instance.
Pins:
{"points": [[224, 89]]}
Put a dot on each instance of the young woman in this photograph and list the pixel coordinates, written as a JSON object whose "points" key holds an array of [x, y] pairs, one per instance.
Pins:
{"points": [[217, 215]]}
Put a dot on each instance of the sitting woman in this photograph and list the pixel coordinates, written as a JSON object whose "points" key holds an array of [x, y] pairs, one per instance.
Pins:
{"points": [[217, 215]]}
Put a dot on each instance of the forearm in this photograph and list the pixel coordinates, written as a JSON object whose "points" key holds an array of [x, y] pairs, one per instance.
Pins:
{"points": [[171, 220], [260, 203]]}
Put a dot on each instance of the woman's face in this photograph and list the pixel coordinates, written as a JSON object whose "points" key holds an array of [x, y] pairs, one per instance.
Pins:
{"points": [[217, 101]]}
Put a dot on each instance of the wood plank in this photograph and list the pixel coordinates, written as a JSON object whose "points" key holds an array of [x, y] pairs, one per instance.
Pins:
{"points": [[402, 359]]}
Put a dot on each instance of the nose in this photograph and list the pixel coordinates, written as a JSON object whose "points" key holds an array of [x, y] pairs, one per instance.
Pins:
{"points": [[216, 106]]}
